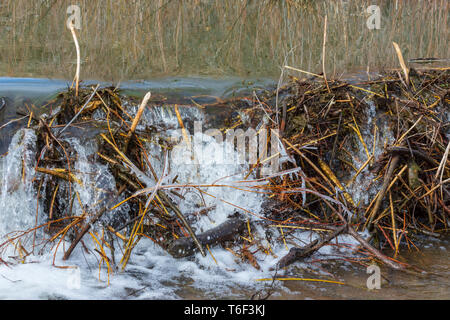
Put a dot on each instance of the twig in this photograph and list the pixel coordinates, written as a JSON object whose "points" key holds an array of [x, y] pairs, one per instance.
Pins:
{"points": [[81, 234], [387, 179], [296, 254], [407, 151], [335, 140], [151, 187], [402, 62], [136, 120], [440, 170], [374, 251], [78, 113]]}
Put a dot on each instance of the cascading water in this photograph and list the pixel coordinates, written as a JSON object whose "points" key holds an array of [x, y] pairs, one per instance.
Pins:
{"points": [[17, 196], [150, 266], [206, 173]]}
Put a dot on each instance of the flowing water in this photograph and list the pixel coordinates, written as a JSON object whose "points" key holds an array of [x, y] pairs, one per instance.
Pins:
{"points": [[200, 50]]}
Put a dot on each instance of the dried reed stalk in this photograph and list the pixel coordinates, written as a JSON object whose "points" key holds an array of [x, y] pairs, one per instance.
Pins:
{"points": [[402, 62], [77, 72], [323, 53], [136, 119]]}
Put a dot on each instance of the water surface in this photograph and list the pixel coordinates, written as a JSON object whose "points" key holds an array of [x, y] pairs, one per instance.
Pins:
{"points": [[124, 40]]}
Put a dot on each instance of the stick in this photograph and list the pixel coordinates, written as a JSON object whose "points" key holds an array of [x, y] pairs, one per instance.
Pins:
{"points": [[184, 247], [355, 235], [417, 153], [78, 113], [184, 221], [77, 73], [387, 179], [440, 170], [365, 244], [374, 251], [81, 234], [296, 254], [147, 181], [323, 54], [136, 120], [402, 62]]}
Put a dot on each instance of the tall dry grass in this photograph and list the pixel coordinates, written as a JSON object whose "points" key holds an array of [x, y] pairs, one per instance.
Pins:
{"points": [[123, 39]]}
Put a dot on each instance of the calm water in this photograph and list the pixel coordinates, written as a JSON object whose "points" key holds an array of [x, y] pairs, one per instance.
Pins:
{"points": [[433, 259], [123, 40]]}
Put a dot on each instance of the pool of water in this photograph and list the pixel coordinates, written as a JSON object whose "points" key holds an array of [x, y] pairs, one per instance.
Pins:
{"points": [[433, 259], [123, 40]]}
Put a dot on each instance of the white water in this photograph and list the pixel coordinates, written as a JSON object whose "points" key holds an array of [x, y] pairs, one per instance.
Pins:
{"points": [[17, 172], [151, 273]]}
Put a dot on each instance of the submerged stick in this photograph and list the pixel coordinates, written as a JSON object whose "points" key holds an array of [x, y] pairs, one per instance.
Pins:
{"points": [[61, 174], [196, 241], [365, 244], [81, 234], [375, 252]]}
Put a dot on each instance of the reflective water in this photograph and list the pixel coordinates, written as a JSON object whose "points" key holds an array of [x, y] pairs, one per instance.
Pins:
{"points": [[123, 40], [433, 259], [21, 93]]}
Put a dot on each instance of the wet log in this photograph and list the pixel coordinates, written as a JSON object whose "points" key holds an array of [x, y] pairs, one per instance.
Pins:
{"points": [[296, 254], [184, 247]]}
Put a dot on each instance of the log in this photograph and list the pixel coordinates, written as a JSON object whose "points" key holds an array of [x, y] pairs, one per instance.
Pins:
{"points": [[296, 254], [185, 247]]}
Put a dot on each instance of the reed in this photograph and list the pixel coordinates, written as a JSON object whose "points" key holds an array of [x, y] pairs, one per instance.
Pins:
{"points": [[77, 47], [139, 39]]}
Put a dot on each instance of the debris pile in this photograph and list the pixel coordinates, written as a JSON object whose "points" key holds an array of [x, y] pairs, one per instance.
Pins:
{"points": [[361, 156]]}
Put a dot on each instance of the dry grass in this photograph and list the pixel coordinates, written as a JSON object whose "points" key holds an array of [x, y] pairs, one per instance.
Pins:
{"points": [[144, 39]]}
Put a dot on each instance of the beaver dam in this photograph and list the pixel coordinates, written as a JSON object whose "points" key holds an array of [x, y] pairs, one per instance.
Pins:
{"points": [[228, 193]]}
